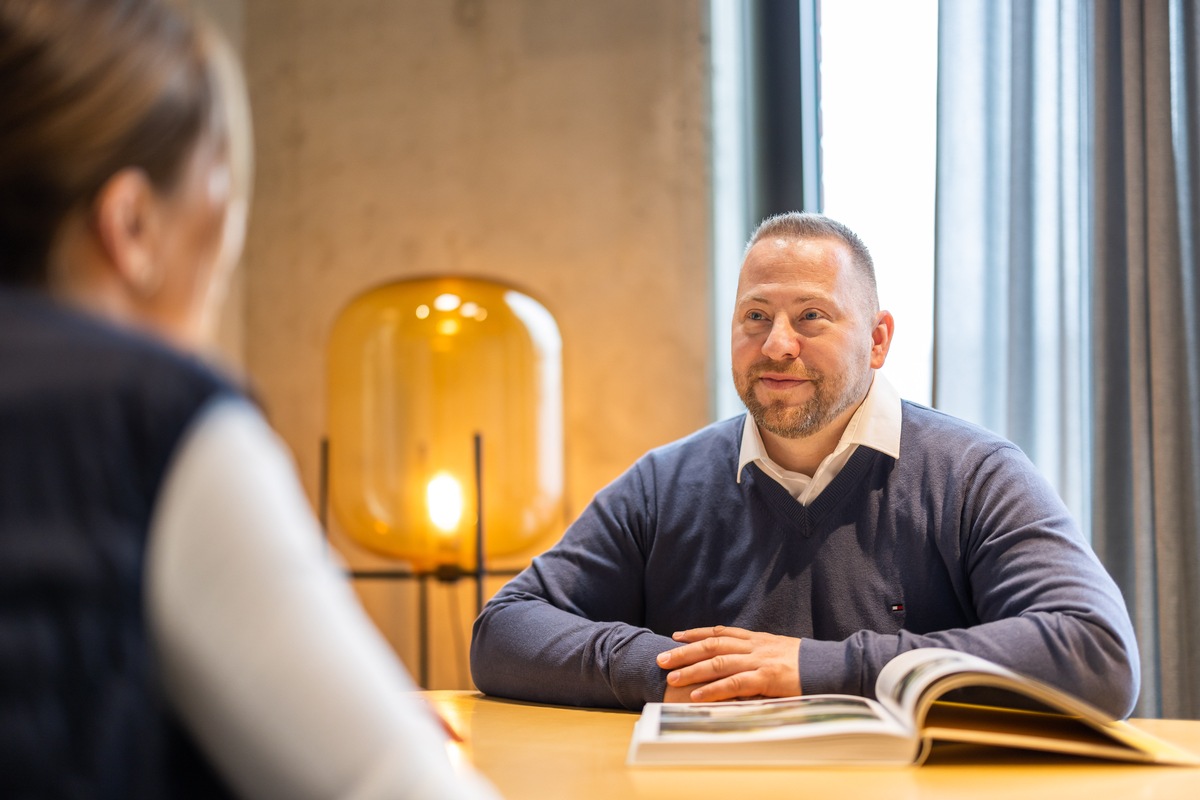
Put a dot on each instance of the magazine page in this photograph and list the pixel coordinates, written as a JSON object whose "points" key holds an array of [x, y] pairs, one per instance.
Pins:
{"points": [[1007, 710], [795, 730], [774, 718], [905, 679]]}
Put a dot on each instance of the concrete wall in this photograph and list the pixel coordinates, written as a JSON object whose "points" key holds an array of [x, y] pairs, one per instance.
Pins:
{"points": [[558, 146], [229, 16]]}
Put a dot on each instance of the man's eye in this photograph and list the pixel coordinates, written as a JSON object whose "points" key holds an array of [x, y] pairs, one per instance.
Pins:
{"points": [[810, 315], [756, 316]]}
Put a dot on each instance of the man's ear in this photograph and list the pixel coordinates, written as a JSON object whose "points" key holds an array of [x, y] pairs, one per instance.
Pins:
{"points": [[127, 226], [881, 338]]}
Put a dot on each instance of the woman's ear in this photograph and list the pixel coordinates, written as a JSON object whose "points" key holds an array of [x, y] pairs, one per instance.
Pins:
{"points": [[126, 216]]}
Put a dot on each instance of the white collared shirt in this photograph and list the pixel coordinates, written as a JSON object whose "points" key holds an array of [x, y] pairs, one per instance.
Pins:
{"points": [[876, 424]]}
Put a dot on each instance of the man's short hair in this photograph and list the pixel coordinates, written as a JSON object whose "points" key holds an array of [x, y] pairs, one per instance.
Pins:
{"points": [[806, 225]]}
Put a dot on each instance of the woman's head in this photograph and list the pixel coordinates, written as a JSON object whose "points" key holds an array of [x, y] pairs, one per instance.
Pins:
{"points": [[122, 124]]}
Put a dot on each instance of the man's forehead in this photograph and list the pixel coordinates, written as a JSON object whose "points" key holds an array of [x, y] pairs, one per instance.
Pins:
{"points": [[779, 260], [815, 246], [787, 271]]}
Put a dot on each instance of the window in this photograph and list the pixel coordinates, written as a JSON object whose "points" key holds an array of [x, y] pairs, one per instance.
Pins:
{"points": [[876, 92], [878, 123]]}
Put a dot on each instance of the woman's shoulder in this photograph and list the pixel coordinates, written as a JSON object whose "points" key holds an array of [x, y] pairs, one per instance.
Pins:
{"points": [[51, 347]]}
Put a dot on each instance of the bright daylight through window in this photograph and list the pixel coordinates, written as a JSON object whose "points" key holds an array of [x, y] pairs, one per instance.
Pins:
{"points": [[878, 124], [878, 121]]}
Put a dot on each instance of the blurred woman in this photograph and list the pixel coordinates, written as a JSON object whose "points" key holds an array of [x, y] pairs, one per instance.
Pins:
{"points": [[169, 623]]}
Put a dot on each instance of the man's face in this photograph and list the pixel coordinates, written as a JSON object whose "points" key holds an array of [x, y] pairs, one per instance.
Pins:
{"points": [[802, 346]]}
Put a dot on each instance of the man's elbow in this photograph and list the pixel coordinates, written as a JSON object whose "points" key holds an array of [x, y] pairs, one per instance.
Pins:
{"points": [[1118, 670], [1127, 682], [482, 660]]}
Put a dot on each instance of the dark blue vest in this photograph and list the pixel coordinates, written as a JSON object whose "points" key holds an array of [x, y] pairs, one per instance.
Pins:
{"points": [[89, 419]]}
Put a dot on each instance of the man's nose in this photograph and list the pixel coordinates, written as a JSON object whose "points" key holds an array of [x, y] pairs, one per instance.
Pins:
{"points": [[782, 342]]}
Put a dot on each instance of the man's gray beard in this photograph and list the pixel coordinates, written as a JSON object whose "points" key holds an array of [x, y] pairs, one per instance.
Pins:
{"points": [[790, 422], [800, 421]]}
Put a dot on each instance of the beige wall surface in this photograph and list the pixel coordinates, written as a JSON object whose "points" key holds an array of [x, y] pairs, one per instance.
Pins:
{"points": [[558, 146]]}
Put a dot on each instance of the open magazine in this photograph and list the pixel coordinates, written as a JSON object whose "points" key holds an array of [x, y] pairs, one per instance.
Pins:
{"points": [[925, 695]]}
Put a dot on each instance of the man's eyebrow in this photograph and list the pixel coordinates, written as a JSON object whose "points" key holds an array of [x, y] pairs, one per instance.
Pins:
{"points": [[793, 301], [756, 298]]}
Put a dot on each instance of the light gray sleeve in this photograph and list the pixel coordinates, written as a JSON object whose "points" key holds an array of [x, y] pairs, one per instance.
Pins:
{"points": [[266, 653]]}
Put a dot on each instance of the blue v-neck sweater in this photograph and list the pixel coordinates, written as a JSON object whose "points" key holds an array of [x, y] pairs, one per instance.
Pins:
{"points": [[959, 543]]}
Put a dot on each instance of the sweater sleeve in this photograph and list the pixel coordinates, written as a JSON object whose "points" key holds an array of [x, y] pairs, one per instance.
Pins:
{"points": [[267, 656], [569, 629], [1042, 603]]}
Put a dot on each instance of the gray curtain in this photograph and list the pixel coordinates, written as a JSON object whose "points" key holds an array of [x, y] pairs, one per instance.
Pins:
{"points": [[1010, 327], [1146, 349], [1067, 288]]}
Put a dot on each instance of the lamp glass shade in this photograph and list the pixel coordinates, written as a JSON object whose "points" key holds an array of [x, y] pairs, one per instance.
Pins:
{"points": [[416, 369]]}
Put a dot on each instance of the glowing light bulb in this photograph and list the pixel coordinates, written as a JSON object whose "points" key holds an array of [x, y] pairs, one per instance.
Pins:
{"points": [[444, 498]]}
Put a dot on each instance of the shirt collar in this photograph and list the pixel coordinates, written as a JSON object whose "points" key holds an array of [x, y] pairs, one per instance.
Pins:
{"points": [[876, 424]]}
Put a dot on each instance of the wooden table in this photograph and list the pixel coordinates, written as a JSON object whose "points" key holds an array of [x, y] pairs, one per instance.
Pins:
{"points": [[532, 751]]}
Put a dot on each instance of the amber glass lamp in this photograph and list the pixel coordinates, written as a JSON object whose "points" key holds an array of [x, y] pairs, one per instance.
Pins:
{"points": [[445, 396]]}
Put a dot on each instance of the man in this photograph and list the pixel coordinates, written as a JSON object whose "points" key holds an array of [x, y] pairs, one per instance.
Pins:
{"points": [[830, 528]]}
